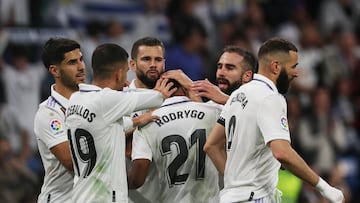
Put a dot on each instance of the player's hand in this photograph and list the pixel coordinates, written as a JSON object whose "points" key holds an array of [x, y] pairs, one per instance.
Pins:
{"points": [[164, 87], [333, 194], [210, 91], [184, 81], [180, 77]]}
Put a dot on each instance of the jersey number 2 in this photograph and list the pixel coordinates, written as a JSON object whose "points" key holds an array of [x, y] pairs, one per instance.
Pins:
{"points": [[197, 137]]}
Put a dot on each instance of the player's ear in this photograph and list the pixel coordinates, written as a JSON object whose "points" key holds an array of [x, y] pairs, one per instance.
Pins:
{"points": [[132, 65], [54, 70], [247, 76], [275, 66]]}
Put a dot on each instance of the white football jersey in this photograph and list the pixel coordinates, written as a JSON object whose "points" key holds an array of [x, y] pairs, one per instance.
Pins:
{"points": [[97, 139], [174, 144], [49, 128], [147, 192], [254, 115]]}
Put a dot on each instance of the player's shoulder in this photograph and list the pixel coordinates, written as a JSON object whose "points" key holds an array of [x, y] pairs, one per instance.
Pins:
{"points": [[209, 106], [49, 108]]}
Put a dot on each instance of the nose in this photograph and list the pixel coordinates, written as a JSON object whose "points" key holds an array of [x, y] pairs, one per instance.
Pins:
{"points": [[220, 71], [296, 73], [152, 62], [81, 65]]}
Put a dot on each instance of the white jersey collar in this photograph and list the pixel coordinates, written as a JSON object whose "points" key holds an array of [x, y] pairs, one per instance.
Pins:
{"points": [[266, 81], [88, 88], [61, 100], [175, 100], [132, 85]]}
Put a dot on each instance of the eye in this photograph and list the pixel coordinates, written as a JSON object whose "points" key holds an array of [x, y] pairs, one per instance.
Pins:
{"points": [[159, 59], [146, 59]]}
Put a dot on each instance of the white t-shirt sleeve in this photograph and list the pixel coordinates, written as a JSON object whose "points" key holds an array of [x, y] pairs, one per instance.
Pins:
{"points": [[272, 118], [50, 128], [140, 147], [117, 104], [148, 99], [127, 123]]}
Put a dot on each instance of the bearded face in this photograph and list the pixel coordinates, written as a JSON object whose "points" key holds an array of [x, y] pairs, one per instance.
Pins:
{"points": [[283, 82], [69, 81], [227, 87], [148, 78]]}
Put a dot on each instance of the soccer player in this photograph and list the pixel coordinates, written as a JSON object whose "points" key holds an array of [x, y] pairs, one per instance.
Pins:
{"points": [[174, 146], [234, 68], [95, 126], [257, 133], [64, 60], [148, 63]]}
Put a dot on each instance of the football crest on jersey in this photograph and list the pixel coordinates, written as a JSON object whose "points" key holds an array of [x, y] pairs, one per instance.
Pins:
{"points": [[55, 126], [284, 123]]}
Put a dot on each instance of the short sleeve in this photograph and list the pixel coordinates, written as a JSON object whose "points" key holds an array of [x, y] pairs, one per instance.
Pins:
{"points": [[49, 127], [272, 118], [140, 147]]}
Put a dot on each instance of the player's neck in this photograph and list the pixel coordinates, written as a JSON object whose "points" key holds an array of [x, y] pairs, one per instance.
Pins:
{"points": [[63, 90], [268, 75]]}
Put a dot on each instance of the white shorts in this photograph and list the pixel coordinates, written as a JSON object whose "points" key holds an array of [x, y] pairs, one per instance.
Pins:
{"points": [[272, 198]]}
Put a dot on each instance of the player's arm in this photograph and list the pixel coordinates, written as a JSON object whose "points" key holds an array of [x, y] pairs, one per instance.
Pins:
{"points": [[153, 98], [144, 119], [141, 159], [131, 123], [291, 161], [137, 174], [215, 147], [210, 91], [62, 153]]}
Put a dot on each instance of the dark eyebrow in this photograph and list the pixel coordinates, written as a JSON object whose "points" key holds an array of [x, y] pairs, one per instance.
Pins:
{"points": [[71, 61], [227, 65]]}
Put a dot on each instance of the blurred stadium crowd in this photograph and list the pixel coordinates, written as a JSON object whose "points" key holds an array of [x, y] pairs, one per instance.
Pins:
{"points": [[323, 104]]}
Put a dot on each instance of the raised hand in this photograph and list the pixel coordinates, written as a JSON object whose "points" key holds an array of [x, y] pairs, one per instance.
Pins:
{"points": [[164, 87], [210, 91]]}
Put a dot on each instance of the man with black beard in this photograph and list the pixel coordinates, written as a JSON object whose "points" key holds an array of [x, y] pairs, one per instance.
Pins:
{"points": [[253, 128], [148, 63], [234, 68]]}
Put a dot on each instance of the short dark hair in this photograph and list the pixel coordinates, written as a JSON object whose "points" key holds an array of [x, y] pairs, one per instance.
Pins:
{"points": [[146, 41], [276, 45], [54, 50], [249, 62], [105, 59]]}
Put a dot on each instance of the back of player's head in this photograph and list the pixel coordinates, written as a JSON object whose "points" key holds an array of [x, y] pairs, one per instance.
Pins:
{"points": [[55, 48], [106, 58], [275, 46], [249, 61], [146, 41]]}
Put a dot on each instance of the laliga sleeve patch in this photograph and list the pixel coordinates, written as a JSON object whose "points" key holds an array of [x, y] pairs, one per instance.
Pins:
{"points": [[284, 123], [55, 126]]}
